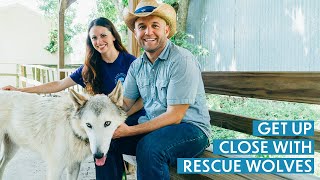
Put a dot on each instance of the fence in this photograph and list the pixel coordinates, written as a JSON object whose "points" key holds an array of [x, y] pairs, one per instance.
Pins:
{"points": [[32, 75]]}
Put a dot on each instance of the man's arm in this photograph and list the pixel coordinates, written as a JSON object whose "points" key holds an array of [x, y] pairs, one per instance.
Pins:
{"points": [[173, 115], [135, 107], [127, 104]]}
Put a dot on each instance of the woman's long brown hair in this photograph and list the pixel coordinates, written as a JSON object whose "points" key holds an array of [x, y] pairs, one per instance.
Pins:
{"points": [[91, 74]]}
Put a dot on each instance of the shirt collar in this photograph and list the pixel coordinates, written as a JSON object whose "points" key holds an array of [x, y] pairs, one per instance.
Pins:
{"points": [[163, 55], [165, 52]]}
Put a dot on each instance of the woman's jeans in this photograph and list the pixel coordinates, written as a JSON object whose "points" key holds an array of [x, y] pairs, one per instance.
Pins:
{"points": [[154, 151]]}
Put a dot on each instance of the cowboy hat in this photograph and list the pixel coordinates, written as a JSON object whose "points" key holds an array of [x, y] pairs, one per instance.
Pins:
{"points": [[152, 8]]}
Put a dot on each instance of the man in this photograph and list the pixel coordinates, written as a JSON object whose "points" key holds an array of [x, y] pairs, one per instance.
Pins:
{"points": [[168, 78]]}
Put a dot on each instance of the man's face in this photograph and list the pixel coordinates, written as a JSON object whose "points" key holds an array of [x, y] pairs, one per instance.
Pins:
{"points": [[151, 33]]}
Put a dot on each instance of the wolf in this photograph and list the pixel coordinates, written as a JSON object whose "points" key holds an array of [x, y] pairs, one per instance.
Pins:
{"points": [[62, 129]]}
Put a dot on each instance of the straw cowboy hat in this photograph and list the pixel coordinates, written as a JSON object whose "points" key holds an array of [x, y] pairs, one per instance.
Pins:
{"points": [[151, 7]]}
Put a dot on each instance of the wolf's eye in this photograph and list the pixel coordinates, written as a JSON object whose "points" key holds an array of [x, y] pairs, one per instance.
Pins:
{"points": [[89, 125], [107, 123]]}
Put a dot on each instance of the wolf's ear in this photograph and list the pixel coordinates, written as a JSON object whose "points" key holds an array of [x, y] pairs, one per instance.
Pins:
{"points": [[116, 95], [78, 99]]}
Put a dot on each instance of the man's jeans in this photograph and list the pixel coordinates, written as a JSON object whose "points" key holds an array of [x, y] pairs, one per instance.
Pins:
{"points": [[154, 151]]}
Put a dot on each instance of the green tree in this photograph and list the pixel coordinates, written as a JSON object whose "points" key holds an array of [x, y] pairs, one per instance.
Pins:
{"points": [[107, 8], [181, 7], [113, 10], [181, 38], [51, 11]]}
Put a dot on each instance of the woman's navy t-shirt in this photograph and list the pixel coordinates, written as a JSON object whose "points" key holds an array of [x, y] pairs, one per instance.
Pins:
{"points": [[111, 73]]}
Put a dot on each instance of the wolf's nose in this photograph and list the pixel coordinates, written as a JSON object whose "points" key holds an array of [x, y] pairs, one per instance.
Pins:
{"points": [[98, 155]]}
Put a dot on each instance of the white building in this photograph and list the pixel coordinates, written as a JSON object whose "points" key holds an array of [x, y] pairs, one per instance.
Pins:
{"points": [[24, 35]]}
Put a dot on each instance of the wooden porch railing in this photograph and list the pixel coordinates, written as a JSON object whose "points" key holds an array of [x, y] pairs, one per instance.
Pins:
{"points": [[32, 75]]}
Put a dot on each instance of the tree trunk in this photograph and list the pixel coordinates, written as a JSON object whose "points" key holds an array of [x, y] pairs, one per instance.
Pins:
{"points": [[182, 15]]}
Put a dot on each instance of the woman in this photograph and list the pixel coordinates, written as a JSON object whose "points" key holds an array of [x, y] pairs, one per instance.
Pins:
{"points": [[106, 62]]}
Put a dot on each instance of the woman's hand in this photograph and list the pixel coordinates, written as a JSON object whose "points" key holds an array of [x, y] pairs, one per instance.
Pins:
{"points": [[9, 88]]}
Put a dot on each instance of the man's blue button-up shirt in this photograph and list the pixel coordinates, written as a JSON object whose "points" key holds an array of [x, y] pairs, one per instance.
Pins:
{"points": [[174, 78]]}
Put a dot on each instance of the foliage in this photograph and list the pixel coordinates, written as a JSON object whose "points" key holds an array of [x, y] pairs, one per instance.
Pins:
{"points": [[52, 47], [50, 9], [125, 3], [170, 1], [183, 39], [106, 8], [112, 9], [264, 109]]}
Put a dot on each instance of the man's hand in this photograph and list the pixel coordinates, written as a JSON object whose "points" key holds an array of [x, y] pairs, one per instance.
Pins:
{"points": [[173, 115], [9, 88], [122, 131]]}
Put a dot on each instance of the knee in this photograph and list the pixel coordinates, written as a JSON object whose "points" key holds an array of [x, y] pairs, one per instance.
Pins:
{"points": [[149, 153]]}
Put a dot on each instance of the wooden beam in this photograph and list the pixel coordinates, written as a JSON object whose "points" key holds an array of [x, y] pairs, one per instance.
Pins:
{"points": [[133, 46], [232, 122], [62, 5], [284, 86], [69, 2]]}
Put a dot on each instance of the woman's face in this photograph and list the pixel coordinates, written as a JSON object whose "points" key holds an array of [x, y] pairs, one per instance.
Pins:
{"points": [[101, 39]]}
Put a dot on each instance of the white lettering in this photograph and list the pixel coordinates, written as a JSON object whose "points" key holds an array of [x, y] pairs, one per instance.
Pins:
{"points": [[186, 166]]}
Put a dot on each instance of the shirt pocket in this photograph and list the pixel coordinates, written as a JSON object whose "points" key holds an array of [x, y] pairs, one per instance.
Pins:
{"points": [[144, 88], [162, 90]]}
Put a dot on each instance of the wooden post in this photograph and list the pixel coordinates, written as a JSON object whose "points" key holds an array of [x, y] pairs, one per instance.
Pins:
{"points": [[63, 5], [133, 45], [38, 74], [43, 76], [62, 8], [34, 74], [17, 77], [23, 74]]}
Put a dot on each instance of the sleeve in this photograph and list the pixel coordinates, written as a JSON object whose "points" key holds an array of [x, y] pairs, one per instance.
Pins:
{"points": [[77, 76], [184, 80], [130, 86]]}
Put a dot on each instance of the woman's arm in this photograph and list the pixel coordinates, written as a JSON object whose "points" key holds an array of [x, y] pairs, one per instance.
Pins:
{"points": [[50, 87]]}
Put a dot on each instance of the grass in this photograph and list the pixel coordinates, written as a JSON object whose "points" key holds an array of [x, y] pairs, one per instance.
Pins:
{"points": [[262, 109]]}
